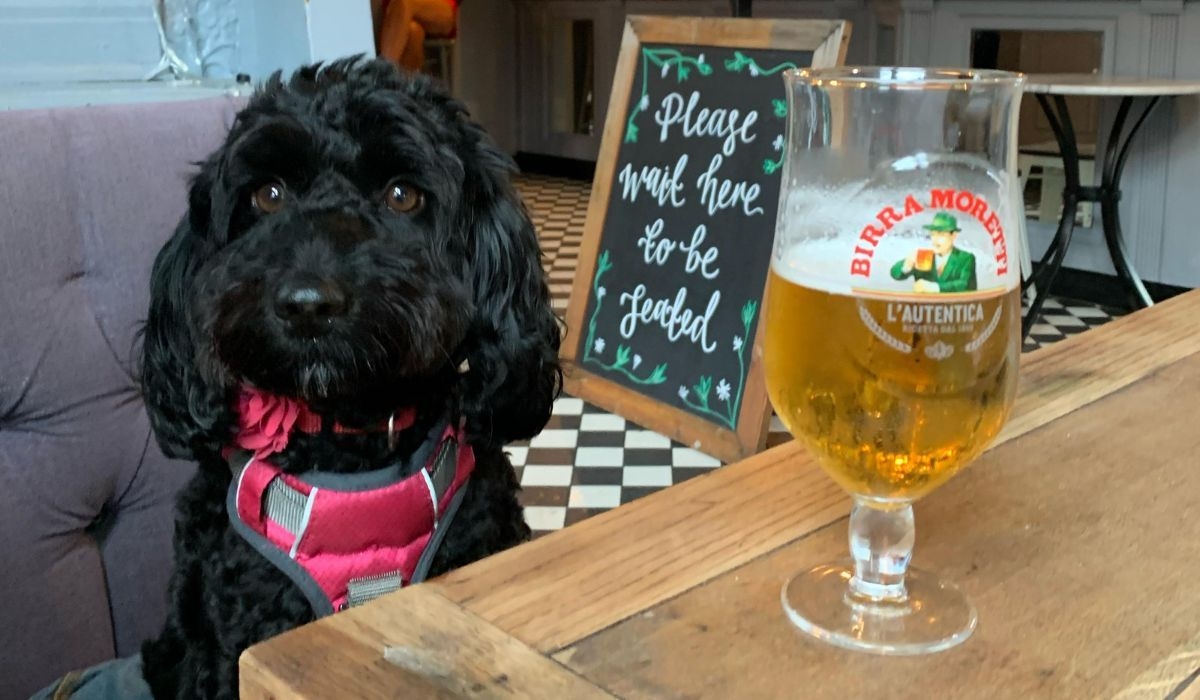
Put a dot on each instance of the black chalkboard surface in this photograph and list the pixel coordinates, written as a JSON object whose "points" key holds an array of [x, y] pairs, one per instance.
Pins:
{"points": [[663, 318]]}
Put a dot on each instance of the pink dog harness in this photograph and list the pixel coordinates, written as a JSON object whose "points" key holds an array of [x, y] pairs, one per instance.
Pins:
{"points": [[345, 539]]}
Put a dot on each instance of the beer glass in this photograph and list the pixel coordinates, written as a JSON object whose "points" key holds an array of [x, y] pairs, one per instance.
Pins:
{"points": [[893, 322]]}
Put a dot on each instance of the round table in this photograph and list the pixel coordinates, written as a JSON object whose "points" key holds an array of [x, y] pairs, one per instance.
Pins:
{"points": [[1051, 91]]}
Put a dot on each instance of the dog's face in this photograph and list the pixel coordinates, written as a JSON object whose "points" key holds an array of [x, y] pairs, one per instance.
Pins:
{"points": [[342, 268], [355, 238]]}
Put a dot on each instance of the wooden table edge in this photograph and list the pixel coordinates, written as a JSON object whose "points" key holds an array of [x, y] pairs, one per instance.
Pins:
{"points": [[445, 651]]}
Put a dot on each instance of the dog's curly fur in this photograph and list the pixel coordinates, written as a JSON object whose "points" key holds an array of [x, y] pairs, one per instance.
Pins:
{"points": [[459, 278]]}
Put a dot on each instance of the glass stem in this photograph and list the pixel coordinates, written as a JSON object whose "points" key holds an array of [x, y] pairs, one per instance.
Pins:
{"points": [[881, 542]]}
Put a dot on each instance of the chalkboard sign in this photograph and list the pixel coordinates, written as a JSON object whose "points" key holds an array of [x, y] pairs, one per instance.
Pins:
{"points": [[663, 319]]}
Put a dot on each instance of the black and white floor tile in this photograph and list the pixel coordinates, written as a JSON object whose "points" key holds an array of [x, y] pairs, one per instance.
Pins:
{"points": [[587, 460], [558, 207], [1062, 318]]}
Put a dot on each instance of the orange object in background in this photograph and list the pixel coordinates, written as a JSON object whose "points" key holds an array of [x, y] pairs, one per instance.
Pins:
{"points": [[401, 27]]}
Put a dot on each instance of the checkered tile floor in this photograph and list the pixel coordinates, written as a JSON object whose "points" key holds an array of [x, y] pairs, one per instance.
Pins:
{"points": [[559, 209], [1066, 317], [587, 460]]}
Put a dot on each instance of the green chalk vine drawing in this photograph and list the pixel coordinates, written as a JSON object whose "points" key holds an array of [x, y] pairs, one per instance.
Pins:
{"points": [[704, 386], [772, 166], [741, 61], [667, 59], [625, 361]]}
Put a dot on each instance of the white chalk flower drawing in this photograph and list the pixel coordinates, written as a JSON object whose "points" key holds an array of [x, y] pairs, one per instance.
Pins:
{"points": [[624, 361], [703, 387], [668, 60]]}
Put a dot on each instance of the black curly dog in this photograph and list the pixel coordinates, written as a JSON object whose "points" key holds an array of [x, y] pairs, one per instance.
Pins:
{"points": [[354, 240]]}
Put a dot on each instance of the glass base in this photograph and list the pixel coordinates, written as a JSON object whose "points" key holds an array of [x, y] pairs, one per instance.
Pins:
{"points": [[933, 617]]}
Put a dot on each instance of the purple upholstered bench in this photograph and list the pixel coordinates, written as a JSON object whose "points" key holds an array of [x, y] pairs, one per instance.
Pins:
{"points": [[87, 196]]}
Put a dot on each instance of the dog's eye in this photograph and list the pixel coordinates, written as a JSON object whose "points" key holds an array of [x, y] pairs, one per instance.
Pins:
{"points": [[403, 198], [269, 198]]}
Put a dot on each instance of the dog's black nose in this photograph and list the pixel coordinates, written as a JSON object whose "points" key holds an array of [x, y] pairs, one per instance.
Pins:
{"points": [[310, 300]]}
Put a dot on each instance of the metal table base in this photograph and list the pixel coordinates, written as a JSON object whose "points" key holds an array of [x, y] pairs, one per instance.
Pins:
{"points": [[1108, 195]]}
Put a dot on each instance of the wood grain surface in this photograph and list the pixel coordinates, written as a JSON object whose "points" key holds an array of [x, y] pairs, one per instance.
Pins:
{"points": [[628, 559], [1077, 543], [419, 646], [1075, 535]]}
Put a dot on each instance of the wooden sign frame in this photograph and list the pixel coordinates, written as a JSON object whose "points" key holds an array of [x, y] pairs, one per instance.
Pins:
{"points": [[827, 40]]}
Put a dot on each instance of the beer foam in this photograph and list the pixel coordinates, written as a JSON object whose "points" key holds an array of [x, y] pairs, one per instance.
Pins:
{"points": [[817, 264], [847, 238], [822, 264]]}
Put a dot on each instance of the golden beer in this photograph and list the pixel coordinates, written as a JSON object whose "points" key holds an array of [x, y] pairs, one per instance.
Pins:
{"points": [[924, 259], [893, 394]]}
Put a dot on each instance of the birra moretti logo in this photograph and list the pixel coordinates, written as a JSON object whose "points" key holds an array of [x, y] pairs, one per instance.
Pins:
{"points": [[944, 200]]}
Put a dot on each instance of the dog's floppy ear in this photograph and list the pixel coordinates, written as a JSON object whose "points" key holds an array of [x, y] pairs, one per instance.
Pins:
{"points": [[189, 416], [514, 373]]}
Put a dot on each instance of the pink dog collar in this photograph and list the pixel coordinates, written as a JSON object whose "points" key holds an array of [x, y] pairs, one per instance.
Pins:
{"points": [[266, 421]]}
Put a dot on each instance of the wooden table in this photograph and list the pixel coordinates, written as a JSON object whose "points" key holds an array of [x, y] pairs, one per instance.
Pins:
{"points": [[1077, 535], [1051, 91]]}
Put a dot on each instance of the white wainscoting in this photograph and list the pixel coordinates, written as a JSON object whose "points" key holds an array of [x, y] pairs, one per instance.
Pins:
{"points": [[1142, 38], [77, 40]]}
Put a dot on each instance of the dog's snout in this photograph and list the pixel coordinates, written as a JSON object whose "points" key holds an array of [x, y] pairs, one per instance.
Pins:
{"points": [[310, 300]]}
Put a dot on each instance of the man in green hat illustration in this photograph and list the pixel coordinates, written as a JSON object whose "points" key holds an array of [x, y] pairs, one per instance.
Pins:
{"points": [[945, 268]]}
